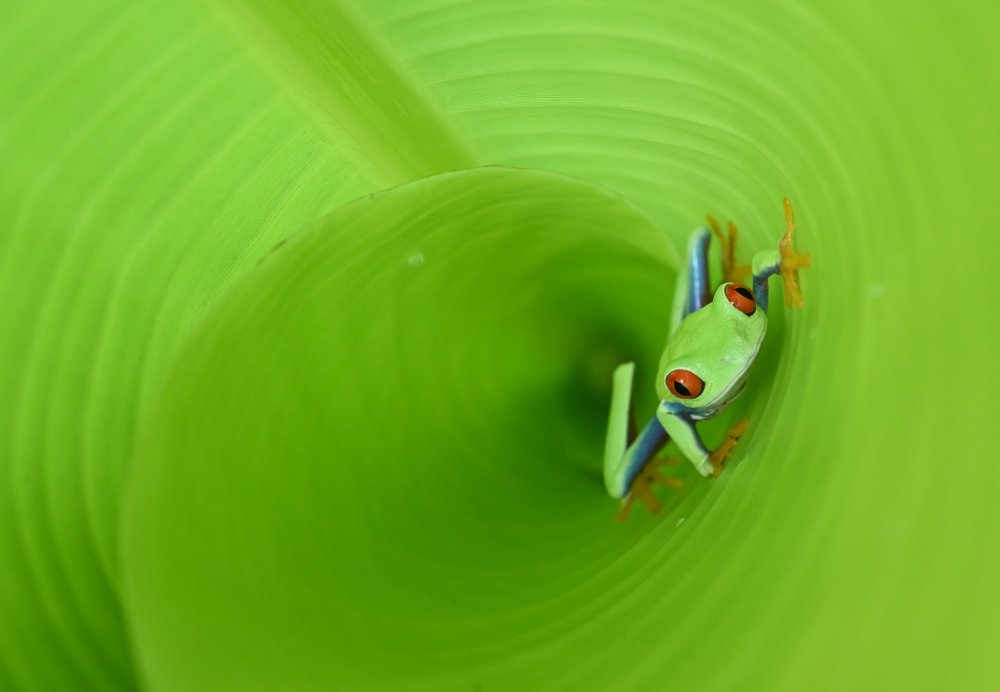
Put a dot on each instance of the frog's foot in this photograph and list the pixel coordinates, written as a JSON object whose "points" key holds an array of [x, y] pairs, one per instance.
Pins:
{"points": [[791, 261], [718, 458], [642, 486], [731, 271]]}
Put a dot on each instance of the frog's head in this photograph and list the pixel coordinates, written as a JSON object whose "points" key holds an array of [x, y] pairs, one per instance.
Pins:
{"points": [[709, 355]]}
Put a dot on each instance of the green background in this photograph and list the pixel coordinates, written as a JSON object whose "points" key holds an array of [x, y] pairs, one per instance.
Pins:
{"points": [[370, 459]]}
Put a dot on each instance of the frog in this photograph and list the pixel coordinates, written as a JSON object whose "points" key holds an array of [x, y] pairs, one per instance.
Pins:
{"points": [[712, 343]]}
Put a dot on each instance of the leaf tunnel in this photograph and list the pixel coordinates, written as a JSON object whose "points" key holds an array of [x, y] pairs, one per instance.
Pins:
{"points": [[309, 311]]}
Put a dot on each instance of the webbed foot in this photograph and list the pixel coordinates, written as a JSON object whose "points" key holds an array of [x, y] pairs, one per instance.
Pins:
{"points": [[642, 486], [731, 271], [791, 261], [718, 458]]}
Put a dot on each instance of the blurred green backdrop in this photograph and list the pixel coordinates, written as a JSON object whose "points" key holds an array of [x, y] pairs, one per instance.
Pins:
{"points": [[370, 459]]}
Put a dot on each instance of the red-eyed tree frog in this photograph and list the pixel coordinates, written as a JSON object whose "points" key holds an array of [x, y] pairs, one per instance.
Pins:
{"points": [[711, 347]]}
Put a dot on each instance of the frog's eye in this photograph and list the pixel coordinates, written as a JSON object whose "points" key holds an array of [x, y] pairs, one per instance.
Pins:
{"points": [[741, 298], [684, 384]]}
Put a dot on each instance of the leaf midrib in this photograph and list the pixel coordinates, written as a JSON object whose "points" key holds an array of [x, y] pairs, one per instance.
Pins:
{"points": [[345, 76]]}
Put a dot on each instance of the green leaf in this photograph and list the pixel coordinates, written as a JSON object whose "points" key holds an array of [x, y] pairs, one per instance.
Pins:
{"points": [[382, 442], [152, 154]]}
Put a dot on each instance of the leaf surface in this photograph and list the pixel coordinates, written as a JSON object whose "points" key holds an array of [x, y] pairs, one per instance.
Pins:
{"points": [[153, 153]]}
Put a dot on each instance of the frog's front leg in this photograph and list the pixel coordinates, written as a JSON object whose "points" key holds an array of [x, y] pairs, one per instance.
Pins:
{"points": [[785, 260], [680, 426]]}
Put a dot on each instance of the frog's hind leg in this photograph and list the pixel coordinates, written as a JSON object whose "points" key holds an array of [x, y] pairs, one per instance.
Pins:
{"points": [[630, 468], [625, 457], [732, 271], [692, 292], [642, 486]]}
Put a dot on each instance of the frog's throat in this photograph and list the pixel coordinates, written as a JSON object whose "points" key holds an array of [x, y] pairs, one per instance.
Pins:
{"points": [[717, 407], [730, 393]]}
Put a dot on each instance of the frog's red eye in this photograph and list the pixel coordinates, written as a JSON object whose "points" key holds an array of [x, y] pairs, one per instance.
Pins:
{"points": [[684, 384], [741, 298]]}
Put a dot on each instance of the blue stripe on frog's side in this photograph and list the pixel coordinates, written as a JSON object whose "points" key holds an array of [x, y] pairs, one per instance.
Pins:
{"points": [[692, 291], [650, 441], [698, 293]]}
